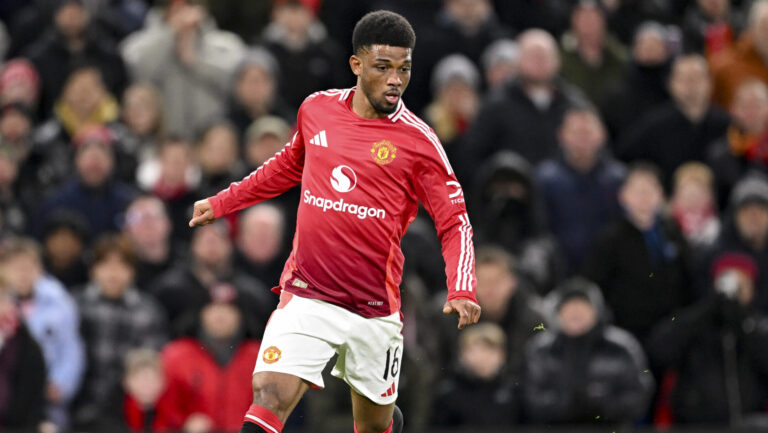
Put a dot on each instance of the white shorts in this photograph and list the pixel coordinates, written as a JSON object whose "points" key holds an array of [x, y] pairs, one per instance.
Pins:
{"points": [[303, 334]]}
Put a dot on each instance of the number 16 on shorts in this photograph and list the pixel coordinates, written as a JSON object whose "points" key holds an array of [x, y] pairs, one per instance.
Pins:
{"points": [[392, 360]]}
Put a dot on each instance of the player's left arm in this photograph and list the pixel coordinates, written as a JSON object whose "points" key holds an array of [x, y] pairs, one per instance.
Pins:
{"points": [[437, 188]]}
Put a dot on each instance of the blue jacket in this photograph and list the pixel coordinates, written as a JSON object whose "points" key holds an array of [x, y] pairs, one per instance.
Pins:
{"points": [[53, 320], [578, 205]]}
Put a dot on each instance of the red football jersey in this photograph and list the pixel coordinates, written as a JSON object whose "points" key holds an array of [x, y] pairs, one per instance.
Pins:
{"points": [[361, 180]]}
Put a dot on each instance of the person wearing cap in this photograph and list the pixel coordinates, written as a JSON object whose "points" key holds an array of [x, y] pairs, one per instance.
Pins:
{"points": [[91, 192], [456, 86], [19, 82], [191, 62], [255, 93], [499, 62], [69, 44], [115, 318], [264, 138], [745, 230], [719, 349], [580, 369], [580, 186], [213, 360], [308, 59]]}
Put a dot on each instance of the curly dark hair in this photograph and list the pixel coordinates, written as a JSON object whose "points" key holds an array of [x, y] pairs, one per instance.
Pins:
{"points": [[385, 28]]}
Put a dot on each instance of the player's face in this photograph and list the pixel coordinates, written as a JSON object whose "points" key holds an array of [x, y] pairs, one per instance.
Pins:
{"points": [[383, 74]]}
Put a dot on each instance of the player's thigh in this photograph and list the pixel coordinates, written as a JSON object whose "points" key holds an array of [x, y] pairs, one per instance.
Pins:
{"points": [[278, 392], [369, 416]]}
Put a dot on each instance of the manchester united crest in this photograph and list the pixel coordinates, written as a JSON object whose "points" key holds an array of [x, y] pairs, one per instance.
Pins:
{"points": [[383, 152], [271, 355]]}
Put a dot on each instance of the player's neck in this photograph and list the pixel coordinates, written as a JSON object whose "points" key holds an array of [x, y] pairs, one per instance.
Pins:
{"points": [[362, 106]]}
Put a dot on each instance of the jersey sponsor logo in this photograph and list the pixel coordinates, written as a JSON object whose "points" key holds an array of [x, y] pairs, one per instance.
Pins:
{"points": [[319, 139], [326, 204], [343, 179], [456, 196], [271, 355], [383, 152]]}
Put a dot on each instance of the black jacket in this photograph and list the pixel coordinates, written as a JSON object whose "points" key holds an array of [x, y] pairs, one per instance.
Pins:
{"points": [[720, 352], [638, 289], [667, 138], [598, 377], [509, 120], [463, 400], [23, 366]]}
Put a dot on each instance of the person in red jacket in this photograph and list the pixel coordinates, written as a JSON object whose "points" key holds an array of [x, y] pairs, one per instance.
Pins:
{"points": [[153, 404], [214, 363], [364, 162]]}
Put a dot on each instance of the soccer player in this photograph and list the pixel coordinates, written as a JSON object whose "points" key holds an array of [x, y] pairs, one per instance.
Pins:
{"points": [[363, 161]]}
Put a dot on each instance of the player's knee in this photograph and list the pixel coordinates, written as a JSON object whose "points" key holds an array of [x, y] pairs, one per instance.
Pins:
{"points": [[372, 426], [268, 395]]}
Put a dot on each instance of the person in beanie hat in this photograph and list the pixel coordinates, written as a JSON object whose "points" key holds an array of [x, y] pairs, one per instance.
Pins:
{"points": [[726, 330], [581, 370], [19, 82], [745, 229]]}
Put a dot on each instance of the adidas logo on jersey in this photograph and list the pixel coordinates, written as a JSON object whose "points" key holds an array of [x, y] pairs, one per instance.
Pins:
{"points": [[319, 139]]}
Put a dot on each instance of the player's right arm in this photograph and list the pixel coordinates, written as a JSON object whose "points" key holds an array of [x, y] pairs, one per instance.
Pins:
{"points": [[279, 174]]}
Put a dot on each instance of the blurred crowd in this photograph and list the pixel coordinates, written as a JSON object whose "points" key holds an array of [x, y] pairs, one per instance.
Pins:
{"points": [[613, 155]]}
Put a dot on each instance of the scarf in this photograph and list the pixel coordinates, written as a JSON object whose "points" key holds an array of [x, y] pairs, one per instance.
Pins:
{"points": [[752, 147], [107, 111]]}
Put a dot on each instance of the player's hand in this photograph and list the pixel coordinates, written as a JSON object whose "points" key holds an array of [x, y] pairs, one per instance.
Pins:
{"points": [[203, 213], [468, 311]]}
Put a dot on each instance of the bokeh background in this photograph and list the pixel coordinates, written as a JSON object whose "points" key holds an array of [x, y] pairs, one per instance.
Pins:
{"points": [[613, 157]]}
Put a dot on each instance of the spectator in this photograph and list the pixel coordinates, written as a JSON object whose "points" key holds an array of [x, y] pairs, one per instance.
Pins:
{"points": [[188, 59], [745, 230], [710, 26], [71, 44], [84, 102], [507, 211], [693, 204], [214, 361], [500, 62], [148, 229], [680, 130], [263, 139], [582, 370], [507, 301], [744, 147], [641, 261], [256, 91], [218, 155], [189, 285], [744, 60], [152, 404], [13, 212], [475, 394], [118, 18], [116, 318], [525, 113], [727, 330], [19, 83], [53, 320], [260, 242], [593, 60], [455, 83], [91, 193], [141, 123], [580, 188], [22, 369], [173, 176], [65, 238], [464, 27], [309, 60], [16, 129], [644, 84]]}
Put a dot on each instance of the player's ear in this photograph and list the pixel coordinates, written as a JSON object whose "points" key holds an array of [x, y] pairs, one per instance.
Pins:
{"points": [[356, 64]]}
